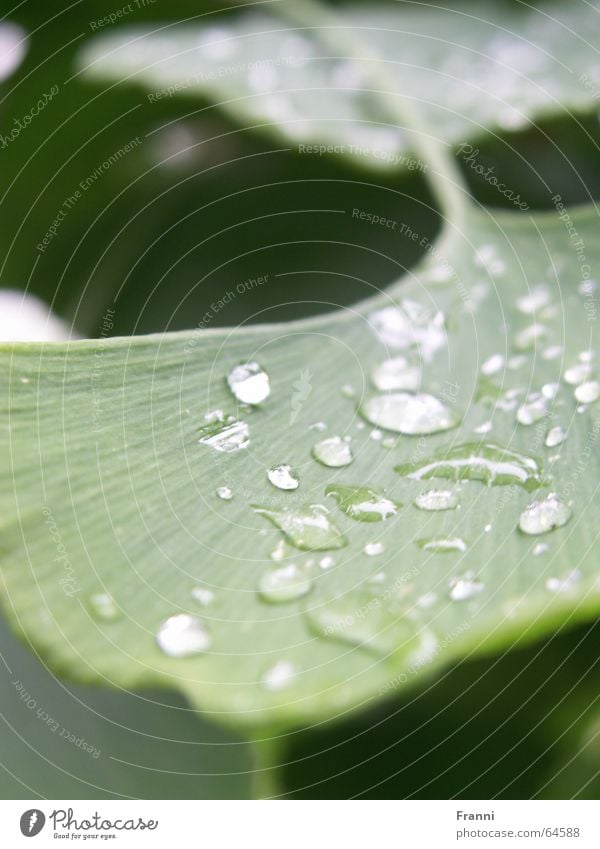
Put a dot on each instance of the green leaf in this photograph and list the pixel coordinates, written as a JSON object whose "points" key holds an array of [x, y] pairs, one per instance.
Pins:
{"points": [[113, 524], [481, 66]]}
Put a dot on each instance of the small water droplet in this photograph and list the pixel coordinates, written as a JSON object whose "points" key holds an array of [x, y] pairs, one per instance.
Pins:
{"points": [[372, 549], [544, 515], [203, 596], [308, 528], [526, 339], [410, 414], [389, 442], [532, 411], [442, 545], [436, 499], [333, 452], [555, 436], [348, 391], [376, 435], [410, 325], [465, 587], [483, 428], [249, 383], [102, 606], [224, 434], [326, 562], [279, 676], [488, 463], [182, 636], [588, 392], [396, 373], [285, 583], [283, 477], [534, 300], [539, 548], [362, 503], [320, 426], [225, 493], [492, 365], [552, 352], [561, 585], [577, 374]]}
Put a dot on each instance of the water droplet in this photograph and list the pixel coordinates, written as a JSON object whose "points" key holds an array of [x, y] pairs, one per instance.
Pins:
{"points": [[488, 463], [544, 515], [308, 528], [485, 427], [410, 414], [532, 411], [376, 435], [225, 493], [224, 434], [436, 499], [561, 585], [283, 477], [534, 300], [492, 365], [410, 325], [525, 340], [326, 562], [279, 676], [102, 606], [333, 452], [249, 383], [577, 374], [552, 352], [362, 503], [348, 391], [320, 426], [396, 373], [588, 392], [443, 545], [550, 390], [555, 436], [465, 587], [389, 442], [203, 596], [183, 635], [285, 583], [539, 548], [372, 549]]}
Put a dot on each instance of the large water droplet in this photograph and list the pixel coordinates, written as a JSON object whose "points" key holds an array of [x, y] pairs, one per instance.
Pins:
{"points": [[437, 499], [279, 676], [103, 607], [333, 452], [489, 463], [308, 528], [577, 374], [224, 433], [396, 373], [410, 414], [555, 436], [283, 477], [492, 365], [249, 383], [588, 392], [285, 583], [410, 325], [183, 635], [362, 503], [544, 515], [442, 545]]}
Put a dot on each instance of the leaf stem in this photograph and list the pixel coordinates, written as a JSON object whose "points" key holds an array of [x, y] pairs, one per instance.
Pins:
{"points": [[449, 189], [267, 776]]}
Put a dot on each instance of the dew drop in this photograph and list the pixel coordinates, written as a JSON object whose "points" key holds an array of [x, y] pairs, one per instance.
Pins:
{"points": [[532, 411], [348, 391], [539, 548], [410, 325], [588, 392], [362, 503], [555, 436], [484, 427], [283, 477], [224, 493], [410, 414], [333, 452], [577, 374], [203, 596], [561, 585], [103, 607], [249, 383], [319, 426], [284, 583], [464, 588], [436, 499], [488, 463], [308, 528], [492, 365], [372, 549], [526, 339], [442, 545], [279, 676], [326, 562], [544, 515], [536, 299], [224, 434], [396, 373], [183, 635]]}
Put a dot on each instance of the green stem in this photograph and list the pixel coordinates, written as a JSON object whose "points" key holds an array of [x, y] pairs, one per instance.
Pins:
{"points": [[267, 777], [443, 175]]}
